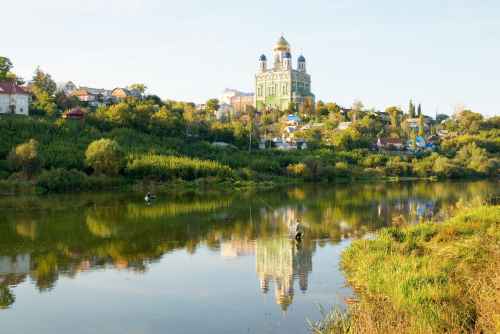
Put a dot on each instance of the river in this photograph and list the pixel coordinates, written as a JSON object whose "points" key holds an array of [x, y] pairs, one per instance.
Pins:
{"points": [[110, 263]]}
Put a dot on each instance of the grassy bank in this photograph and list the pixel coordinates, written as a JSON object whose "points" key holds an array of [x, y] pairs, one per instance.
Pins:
{"points": [[427, 278], [74, 182]]}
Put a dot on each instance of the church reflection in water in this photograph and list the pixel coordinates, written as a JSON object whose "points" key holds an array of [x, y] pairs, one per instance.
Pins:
{"points": [[121, 233], [281, 262]]}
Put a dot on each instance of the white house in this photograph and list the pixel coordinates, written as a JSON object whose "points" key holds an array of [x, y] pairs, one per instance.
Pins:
{"points": [[13, 99]]}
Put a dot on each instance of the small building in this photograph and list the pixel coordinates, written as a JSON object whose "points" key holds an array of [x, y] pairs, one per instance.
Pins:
{"points": [[344, 125], [414, 123], [13, 99], [67, 87], [84, 95], [241, 102], [93, 96], [390, 143], [224, 112], [420, 142], [293, 120], [123, 93], [75, 114]]}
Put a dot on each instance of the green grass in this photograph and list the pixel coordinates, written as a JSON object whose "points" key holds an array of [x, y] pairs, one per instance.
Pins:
{"points": [[427, 278]]}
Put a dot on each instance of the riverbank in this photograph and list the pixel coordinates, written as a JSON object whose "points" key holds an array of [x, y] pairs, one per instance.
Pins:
{"points": [[174, 187], [61, 181], [426, 278]]}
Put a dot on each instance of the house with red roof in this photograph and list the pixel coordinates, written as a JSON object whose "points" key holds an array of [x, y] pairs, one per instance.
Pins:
{"points": [[13, 99], [75, 113]]}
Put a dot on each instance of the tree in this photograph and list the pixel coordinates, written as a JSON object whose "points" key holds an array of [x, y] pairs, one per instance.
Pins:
{"points": [[7, 298], [468, 121], [441, 117], [213, 105], [43, 88], [411, 109], [139, 87], [105, 157], [421, 125], [356, 109], [475, 159], [65, 102], [25, 157], [42, 82], [5, 67], [419, 110], [6, 74], [117, 113], [395, 115], [321, 108]]}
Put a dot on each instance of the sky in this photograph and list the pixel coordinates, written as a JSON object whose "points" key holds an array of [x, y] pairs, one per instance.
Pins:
{"points": [[440, 53]]}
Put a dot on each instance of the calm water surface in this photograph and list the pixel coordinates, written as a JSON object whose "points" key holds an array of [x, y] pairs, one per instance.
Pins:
{"points": [[109, 263]]}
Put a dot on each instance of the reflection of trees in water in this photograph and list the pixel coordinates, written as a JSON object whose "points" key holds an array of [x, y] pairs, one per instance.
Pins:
{"points": [[7, 298], [164, 210], [130, 236], [13, 271]]}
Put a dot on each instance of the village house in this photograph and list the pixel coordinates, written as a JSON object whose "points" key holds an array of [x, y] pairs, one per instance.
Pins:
{"points": [[67, 87], [13, 99], [75, 114], [390, 143], [241, 103], [93, 96], [123, 93]]}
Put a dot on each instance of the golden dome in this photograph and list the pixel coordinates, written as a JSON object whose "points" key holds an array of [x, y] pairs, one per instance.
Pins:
{"points": [[282, 45]]}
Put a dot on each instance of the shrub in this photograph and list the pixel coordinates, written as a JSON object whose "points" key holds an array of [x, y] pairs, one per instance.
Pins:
{"points": [[105, 157], [297, 170], [25, 157], [342, 169], [163, 168], [265, 165], [60, 180]]}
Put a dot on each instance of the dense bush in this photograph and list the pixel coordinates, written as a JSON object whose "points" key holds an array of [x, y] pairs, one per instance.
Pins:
{"points": [[163, 168], [105, 157], [25, 158], [62, 180]]}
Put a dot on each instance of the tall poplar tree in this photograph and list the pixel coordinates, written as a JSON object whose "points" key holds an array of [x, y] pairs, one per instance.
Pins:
{"points": [[411, 109]]}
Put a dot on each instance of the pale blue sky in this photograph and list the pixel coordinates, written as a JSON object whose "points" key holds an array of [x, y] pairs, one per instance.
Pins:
{"points": [[438, 52]]}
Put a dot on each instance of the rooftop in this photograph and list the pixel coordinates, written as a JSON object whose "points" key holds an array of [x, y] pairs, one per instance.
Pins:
{"points": [[7, 87]]}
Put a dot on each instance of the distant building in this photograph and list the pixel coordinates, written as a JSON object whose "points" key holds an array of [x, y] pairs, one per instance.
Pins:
{"points": [[390, 143], [241, 103], [344, 125], [414, 123], [293, 120], [122, 93], [282, 86], [13, 99], [227, 94], [224, 112], [75, 113], [67, 87], [93, 96]]}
